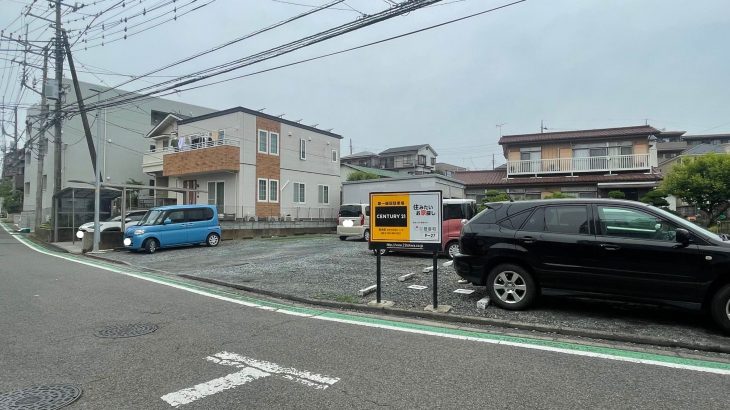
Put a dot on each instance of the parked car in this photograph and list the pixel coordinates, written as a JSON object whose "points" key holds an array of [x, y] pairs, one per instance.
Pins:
{"points": [[455, 213], [115, 224], [354, 220], [174, 225], [600, 247]]}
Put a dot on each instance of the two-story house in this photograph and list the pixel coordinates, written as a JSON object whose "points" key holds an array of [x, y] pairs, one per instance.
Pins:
{"points": [[362, 159], [584, 163], [412, 159], [251, 165]]}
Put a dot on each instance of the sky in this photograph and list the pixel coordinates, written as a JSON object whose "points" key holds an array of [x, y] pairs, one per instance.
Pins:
{"points": [[568, 64]]}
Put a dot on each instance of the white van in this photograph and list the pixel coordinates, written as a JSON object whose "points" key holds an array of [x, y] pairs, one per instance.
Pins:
{"points": [[354, 220]]}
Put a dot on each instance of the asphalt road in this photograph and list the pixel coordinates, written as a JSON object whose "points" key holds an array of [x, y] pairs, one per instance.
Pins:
{"points": [[50, 309]]}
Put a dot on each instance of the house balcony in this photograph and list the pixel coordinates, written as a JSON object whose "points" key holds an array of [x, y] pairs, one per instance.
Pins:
{"points": [[199, 158], [608, 163]]}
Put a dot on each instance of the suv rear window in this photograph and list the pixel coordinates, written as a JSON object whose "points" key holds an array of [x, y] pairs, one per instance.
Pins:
{"points": [[352, 211]]}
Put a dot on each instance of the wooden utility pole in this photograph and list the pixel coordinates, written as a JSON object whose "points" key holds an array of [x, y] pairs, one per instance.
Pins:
{"points": [[42, 145]]}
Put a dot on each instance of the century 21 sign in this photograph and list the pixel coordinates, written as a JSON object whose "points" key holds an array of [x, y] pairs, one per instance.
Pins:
{"points": [[405, 220]]}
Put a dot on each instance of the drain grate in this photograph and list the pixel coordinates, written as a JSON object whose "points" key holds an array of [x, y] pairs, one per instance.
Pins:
{"points": [[119, 331], [48, 397]]}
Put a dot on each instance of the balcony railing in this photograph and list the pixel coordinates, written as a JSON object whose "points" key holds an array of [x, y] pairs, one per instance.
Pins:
{"points": [[198, 145], [606, 163]]}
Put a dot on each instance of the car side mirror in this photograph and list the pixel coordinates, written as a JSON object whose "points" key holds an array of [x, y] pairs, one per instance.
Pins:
{"points": [[167, 221], [682, 236]]}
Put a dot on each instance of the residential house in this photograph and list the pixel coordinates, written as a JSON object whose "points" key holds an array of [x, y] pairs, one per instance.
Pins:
{"points": [[412, 159], [118, 132], [584, 164], [666, 166], [252, 165], [347, 169], [713, 139], [447, 169], [362, 159], [670, 144]]}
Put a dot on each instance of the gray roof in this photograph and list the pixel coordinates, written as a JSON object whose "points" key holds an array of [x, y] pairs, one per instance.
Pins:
{"points": [[705, 136], [671, 146], [359, 155], [706, 149], [406, 149]]}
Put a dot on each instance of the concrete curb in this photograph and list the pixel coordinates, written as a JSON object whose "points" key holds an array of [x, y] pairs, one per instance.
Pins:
{"points": [[509, 324]]}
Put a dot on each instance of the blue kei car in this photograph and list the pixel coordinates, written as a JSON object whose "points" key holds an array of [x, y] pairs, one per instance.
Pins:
{"points": [[174, 225]]}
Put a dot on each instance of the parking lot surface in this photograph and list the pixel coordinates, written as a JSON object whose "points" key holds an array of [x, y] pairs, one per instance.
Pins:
{"points": [[323, 267]]}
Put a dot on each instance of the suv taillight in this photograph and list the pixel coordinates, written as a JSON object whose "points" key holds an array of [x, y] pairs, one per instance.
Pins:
{"points": [[362, 220]]}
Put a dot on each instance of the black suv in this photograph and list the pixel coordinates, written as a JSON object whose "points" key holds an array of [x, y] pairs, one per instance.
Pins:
{"points": [[608, 248]]}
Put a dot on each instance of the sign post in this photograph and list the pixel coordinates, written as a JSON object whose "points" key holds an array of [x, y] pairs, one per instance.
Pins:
{"points": [[406, 220]]}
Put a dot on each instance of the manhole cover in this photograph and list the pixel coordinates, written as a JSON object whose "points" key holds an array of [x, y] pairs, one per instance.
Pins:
{"points": [[53, 396], [117, 331]]}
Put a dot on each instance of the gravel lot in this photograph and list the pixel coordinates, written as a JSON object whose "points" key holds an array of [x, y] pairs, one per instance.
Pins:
{"points": [[323, 267]]}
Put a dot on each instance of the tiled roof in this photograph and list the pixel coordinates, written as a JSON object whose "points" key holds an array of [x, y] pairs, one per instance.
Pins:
{"points": [[498, 178], [706, 149], [671, 146], [705, 136], [406, 148], [581, 134]]}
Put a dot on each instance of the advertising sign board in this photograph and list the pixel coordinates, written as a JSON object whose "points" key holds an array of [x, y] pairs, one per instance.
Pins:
{"points": [[405, 220]]}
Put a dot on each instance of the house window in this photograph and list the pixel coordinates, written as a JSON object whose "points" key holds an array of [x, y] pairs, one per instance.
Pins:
{"points": [[302, 149], [421, 160], [216, 193], [273, 190], [274, 143], [152, 191], [26, 188], [263, 141], [298, 193], [165, 143], [263, 190], [334, 155], [221, 135], [44, 182], [323, 194], [433, 161], [152, 148]]}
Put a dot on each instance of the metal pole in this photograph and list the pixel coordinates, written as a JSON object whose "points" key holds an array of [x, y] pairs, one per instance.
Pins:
{"points": [[377, 275], [97, 188], [435, 280], [73, 215], [124, 208]]}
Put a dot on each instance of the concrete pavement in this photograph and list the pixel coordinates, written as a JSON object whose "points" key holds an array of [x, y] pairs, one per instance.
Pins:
{"points": [[52, 305]]}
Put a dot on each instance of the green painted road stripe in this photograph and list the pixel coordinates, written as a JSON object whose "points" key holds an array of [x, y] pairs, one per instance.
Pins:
{"points": [[495, 338]]}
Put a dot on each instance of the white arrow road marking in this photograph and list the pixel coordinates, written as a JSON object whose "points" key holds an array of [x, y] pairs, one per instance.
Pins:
{"points": [[251, 369]]}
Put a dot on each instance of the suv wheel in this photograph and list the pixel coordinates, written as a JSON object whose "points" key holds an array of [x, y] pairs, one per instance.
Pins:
{"points": [[720, 308], [342, 238], [511, 287], [151, 245], [366, 235], [452, 248]]}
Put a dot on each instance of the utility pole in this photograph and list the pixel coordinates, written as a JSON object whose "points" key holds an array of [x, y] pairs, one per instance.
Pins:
{"points": [[492, 161], [42, 145], [58, 138], [15, 135]]}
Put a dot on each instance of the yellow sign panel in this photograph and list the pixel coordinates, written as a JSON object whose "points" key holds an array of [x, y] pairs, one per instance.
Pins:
{"points": [[389, 218]]}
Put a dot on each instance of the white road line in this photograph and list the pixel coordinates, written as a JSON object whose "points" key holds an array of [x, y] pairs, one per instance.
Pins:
{"points": [[214, 386], [234, 359]]}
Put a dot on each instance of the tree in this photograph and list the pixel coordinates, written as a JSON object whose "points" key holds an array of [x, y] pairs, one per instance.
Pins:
{"points": [[559, 195], [655, 197], [616, 195], [704, 182], [12, 199], [493, 195], [361, 175]]}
